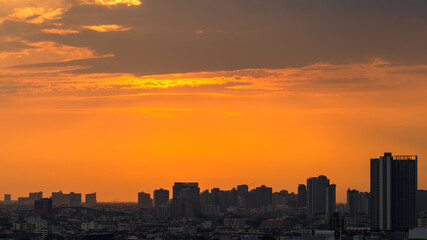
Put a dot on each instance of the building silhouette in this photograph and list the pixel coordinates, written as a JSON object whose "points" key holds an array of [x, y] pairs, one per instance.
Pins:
{"points": [[302, 195], [71, 199], [7, 197], [185, 200], [330, 199], [161, 198], [421, 201], [358, 203], [320, 196], [352, 202], [393, 190], [35, 196], [242, 195], [264, 198], [90, 199], [144, 200]]}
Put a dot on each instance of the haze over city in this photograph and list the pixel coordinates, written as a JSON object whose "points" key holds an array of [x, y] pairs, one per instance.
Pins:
{"points": [[120, 96]]}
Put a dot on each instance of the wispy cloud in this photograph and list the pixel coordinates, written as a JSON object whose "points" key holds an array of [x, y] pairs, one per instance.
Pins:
{"points": [[116, 2], [60, 31], [317, 79], [33, 14], [106, 28], [44, 52]]}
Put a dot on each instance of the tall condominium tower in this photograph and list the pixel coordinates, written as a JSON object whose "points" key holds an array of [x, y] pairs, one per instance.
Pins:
{"points": [[242, 195], [161, 198], [330, 199], [7, 197], [393, 189], [185, 200], [35, 196], [90, 199], [320, 196], [352, 202], [358, 203], [302, 195], [144, 200]]}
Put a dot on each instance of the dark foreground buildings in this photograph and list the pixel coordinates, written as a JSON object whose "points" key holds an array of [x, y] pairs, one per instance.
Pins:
{"points": [[393, 189], [43, 207]]}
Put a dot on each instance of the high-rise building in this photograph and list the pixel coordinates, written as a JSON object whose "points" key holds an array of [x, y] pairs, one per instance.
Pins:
{"points": [[330, 199], [358, 203], [185, 200], [364, 206], [264, 198], [352, 202], [162, 208], [161, 198], [58, 199], [90, 199], [144, 200], [320, 196], [7, 197], [43, 207], [70, 200], [220, 198], [35, 196], [242, 194], [75, 199], [393, 190], [421, 201], [302, 195]]}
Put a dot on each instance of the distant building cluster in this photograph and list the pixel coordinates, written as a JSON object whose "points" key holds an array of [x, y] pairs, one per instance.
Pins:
{"points": [[394, 204]]}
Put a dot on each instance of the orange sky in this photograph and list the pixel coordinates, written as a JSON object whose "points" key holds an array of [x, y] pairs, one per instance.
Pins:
{"points": [[66, 127]]}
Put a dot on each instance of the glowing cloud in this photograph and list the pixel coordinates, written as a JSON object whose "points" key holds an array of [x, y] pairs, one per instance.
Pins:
{"points": [[60, 31], [45, 52], [33, 14], [116, 2], [314, 80], [106, 28]]}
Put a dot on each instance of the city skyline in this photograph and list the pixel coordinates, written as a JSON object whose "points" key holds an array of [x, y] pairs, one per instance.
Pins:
{"points": [[213, 119], [394, 205], [320, 180], [135, 198]]}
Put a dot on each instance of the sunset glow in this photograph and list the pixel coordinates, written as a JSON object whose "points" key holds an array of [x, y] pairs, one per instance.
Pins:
{"points": [[115, 96]]}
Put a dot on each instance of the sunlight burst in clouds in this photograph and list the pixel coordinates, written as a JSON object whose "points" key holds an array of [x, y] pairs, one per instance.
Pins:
{"points": [[318, 79], [60, 31], [116, 2], [106, 28]]}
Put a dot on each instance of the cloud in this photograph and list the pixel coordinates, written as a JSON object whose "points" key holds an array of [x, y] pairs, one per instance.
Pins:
{"points": [[177, 37], [22, 52], [33, 14], [116, 2], [106, 28], [325, 79], [60, 31], [204, 35], [13, 45]]}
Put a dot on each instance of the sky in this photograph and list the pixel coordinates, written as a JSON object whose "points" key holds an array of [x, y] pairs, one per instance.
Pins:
{"points": [[121, 96]]}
